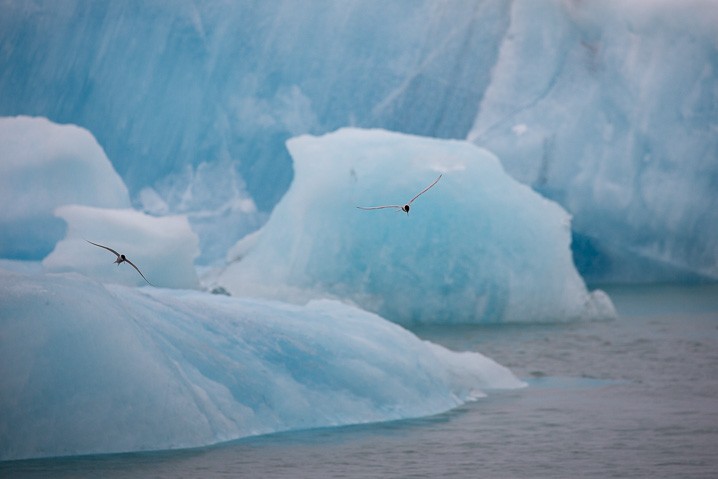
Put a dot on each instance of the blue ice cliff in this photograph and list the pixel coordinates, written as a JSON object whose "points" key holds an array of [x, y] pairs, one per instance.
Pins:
{"points": [[611, 109], [477, 247]]}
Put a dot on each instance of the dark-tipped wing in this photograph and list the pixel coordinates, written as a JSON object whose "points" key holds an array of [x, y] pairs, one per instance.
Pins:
{"points": [[425, 189], [378, 207], [138, 270], [108, 249]]}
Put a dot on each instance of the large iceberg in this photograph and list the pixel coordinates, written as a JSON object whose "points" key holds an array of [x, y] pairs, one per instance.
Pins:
{"points": [[478, 247], [87, 368], [44, 165], [611, 109]]}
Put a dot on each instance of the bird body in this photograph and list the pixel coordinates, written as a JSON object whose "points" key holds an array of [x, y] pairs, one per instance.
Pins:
{"points": [[121, 258]]}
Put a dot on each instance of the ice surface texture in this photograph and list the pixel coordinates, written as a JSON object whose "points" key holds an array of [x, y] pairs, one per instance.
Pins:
{"points": [[477, 247], [611, 109], [87, 368], [166, 84], [44, 165]]}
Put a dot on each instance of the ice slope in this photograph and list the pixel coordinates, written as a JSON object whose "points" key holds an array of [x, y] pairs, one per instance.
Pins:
{"points": [[42, 166], [611, 109], [478, 247], [91, 368]]}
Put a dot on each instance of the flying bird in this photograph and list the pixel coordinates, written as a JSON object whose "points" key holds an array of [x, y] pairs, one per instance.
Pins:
{"points": [[121, 258], [407, 206]]}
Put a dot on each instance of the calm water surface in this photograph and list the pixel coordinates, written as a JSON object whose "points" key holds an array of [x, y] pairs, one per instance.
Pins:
{"points": [[636, 397]]}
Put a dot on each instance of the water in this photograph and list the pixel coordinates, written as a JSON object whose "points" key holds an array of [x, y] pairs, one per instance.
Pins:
{"points": [[636, 397]]}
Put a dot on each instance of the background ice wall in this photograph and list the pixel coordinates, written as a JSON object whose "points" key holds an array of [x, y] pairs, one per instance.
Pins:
{"points": [[611, 108], [602, 106], [164, 84]]}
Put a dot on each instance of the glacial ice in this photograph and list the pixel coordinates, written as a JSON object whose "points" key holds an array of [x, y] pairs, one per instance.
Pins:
{"points": [[91, 368], [174, 83], [214, 199], [478, 247], [608, 108], [611, 109], [163, 248], [44, 165]]}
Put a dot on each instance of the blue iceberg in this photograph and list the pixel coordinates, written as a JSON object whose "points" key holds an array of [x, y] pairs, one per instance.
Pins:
{"points": [[477, 247], [611, 109], [91, 368]]}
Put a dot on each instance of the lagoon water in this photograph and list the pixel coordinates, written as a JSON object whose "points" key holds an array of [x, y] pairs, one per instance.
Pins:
{"points": [[634, 397]]}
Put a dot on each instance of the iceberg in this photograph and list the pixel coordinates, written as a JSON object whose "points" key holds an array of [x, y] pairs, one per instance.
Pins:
{"points": [[163, 248], [603, 107], [610, 108], [477, 247], [90, 368], [44, 165]]}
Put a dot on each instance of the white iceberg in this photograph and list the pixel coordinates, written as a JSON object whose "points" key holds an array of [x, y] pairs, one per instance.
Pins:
{"points": [[44, 165], [162, 248]]}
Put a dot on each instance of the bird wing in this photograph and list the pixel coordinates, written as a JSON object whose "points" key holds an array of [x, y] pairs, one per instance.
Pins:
{"points": [[378, 207], [138, 270], [425, 189], [108, 249]]}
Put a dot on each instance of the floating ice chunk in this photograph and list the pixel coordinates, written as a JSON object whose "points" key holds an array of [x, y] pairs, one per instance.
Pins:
{"points": [[90, 368], [478, 246], [162, 248], [44, 165]]}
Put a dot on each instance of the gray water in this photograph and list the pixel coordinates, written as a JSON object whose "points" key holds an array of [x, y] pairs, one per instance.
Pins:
{"points": [[635, 397]]}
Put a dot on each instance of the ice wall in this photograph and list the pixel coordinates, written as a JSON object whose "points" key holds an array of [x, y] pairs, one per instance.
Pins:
{"points": [[611, 109], [477, 247], [87, 368], [164, 84], [43, 166]]}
